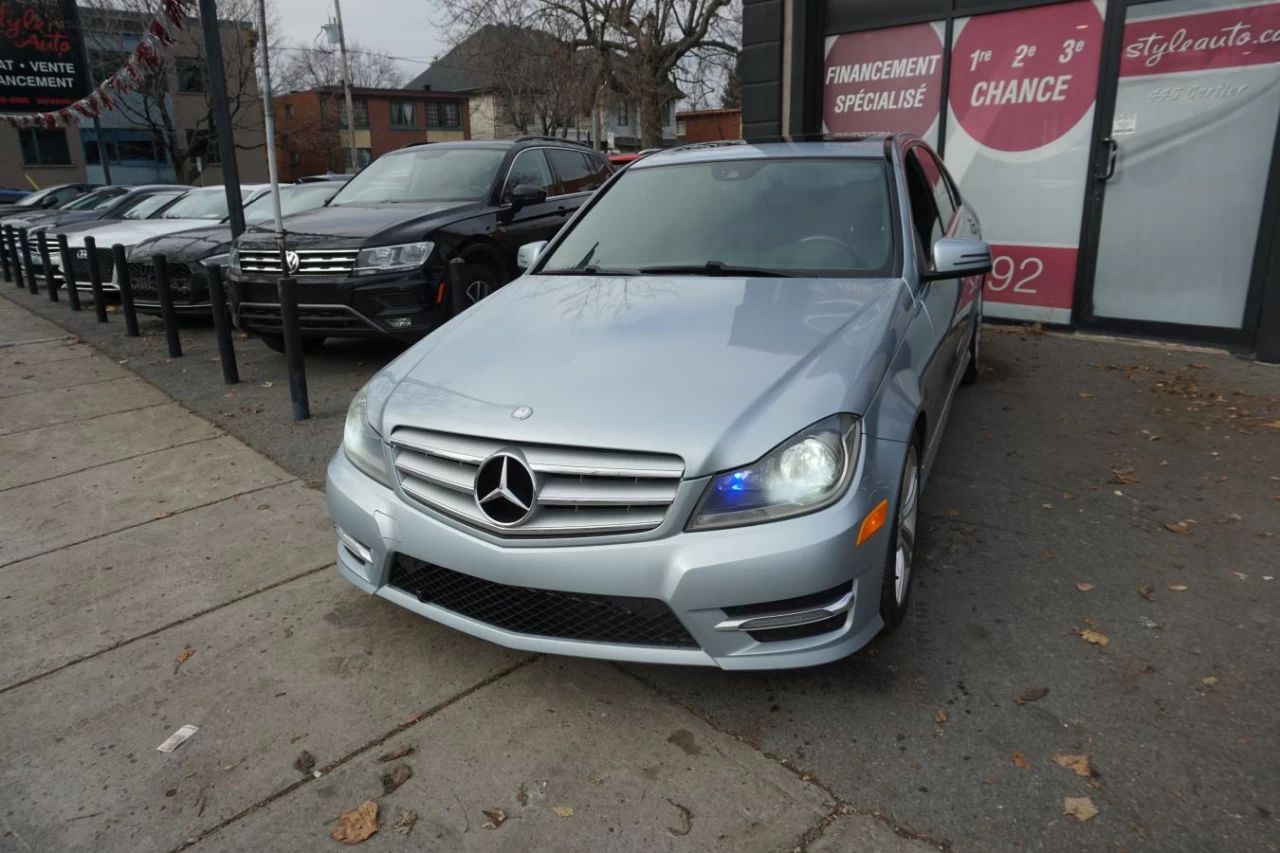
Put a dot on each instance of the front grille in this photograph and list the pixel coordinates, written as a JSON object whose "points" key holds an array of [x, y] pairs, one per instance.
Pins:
{"points": [[310, 261], [80, 264], [265, 317], [142, 276], [579, 491], [543, 612]]}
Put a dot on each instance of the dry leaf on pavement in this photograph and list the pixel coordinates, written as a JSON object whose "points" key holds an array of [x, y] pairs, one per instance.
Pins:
{"points": [[160, 515], [496, 817], [1078, 763], [1177, 587], [1123, 476], [404, 825], [1209, 680], [1145, 590], [305, 763], [563, 811], [1095, 637], [1084, 587], [1241, 575], [357, 825], [183, 657], [1084, 395], [398, 752], [1020, 761], [1031, 694], [396, 777], [1178, 527], [940, 717], [1080, 808]]}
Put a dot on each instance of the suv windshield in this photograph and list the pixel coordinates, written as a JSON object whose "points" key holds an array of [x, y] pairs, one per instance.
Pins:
{"points": [[798, 217], [144, 206], [198, 204], [292, 200], [423, 175]]}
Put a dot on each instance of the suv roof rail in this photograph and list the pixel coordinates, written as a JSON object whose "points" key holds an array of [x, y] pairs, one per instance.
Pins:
{"points": [[719, 143], [539, 138]]}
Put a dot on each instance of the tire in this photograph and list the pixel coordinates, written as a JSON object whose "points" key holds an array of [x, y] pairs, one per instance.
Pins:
{"points": [[310, 343], [482, 278], [895, 589], [975, 350]]}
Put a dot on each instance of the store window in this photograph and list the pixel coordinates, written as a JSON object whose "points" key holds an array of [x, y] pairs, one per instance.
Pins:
{"points": [[190, 74], [44, 147]]}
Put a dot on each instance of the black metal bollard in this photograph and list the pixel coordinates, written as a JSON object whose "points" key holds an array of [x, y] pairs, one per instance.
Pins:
{"points": [[4, 253], [68, 274], [95, 278], [42, 241], [291, 326], [161, 268], [126, 291], [11, 252], [29, 267], [457, 286], [222, 326]]}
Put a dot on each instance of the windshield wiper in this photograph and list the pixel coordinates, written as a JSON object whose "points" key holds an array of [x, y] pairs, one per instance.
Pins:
{"points": [[587, 270], [714, 268]]}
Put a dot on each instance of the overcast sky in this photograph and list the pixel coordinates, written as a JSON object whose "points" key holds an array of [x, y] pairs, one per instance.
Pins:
{"points": [[402, 28]]}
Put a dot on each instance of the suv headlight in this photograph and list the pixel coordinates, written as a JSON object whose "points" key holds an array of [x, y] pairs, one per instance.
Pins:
{"points": [[233, 260], [392, 258], [808, 471], [361, 442]]}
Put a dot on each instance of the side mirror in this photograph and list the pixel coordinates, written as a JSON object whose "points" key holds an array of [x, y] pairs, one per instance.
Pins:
{"points": [[49, 201], [954, 257], [525, 195], [528, 253]]}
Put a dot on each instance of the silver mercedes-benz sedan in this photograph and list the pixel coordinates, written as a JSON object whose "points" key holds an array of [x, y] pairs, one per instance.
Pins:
{"points": [[697, 429]]}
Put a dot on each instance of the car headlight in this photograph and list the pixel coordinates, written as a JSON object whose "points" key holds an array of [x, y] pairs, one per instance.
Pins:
{"points": [[392, 258], [808, 471], [216, 261], [361, 442], [233, 260]]}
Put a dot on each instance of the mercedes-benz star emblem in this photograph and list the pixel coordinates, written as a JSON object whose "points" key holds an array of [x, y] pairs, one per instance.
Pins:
{"points": [[291, 261], [504, 488], [521, 413]]}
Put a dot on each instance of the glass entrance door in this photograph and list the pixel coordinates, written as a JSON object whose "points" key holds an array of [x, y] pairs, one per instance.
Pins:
{"points": [[1185, 165]]}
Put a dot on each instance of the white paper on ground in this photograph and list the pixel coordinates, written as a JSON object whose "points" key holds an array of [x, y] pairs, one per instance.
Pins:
{"points": [[178, 738]]}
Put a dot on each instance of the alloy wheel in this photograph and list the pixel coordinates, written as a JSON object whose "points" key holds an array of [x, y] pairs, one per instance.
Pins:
{"points": [[908, 514], [477, 290]]}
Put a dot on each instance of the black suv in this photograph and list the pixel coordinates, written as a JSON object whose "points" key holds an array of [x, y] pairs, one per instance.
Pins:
{"points": [[373, 261]]}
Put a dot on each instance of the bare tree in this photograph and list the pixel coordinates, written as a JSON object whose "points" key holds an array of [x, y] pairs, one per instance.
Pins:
{"points": [[302, 68], [181, 69]]}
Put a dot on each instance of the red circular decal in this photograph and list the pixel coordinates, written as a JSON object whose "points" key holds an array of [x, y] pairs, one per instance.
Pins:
{"points": [[883, 80], [1021, 80]]}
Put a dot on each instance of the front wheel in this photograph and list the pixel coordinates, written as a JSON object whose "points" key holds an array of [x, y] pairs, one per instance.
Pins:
{"points": [[310, 343], [895, 589]]}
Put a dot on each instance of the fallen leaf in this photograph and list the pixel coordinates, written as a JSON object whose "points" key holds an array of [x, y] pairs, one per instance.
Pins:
{"points": [[1031, 694], [396, 777], [1178, 527], [1080, 808], [1209, 680], [160, 515], [1241, 575], [268, 384], [242, 337], [1084, 587], [1123, 476], [940, 717], [1271, 424], [398, 752], [1177, 587], [990, 780], [183, 657], [1148, 622], [496, 816], [1230, 519], [563, 811], [595, 781], [1091, 636], [1078, 763], [304, 763], [404, 825], [357, 825], [1048, 506], [1145, 590], [113, 309], [1020, 761], [1084, 395]]}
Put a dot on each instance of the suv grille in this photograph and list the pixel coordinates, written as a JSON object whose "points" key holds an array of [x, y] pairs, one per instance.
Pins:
{"points": [[579, 491], [265, 317], [543, 612], [310, 261], [142, 276], [80, 265]]}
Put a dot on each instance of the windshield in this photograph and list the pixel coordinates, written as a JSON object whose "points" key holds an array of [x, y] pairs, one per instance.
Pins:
{"points": [[198, 204], [147, 205], [802, 217], [422, 175], [34, 199], [96, 199], [292, 200]]}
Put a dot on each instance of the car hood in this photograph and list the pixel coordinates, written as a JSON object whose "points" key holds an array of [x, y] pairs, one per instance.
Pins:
{"points": [[715, 370], [131, 232], [357, 226], [188, 246]]}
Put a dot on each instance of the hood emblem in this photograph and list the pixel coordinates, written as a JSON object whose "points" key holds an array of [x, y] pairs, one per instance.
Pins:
{"points": [[291, 261], [82, 254], [505, 490], [521, 413]]}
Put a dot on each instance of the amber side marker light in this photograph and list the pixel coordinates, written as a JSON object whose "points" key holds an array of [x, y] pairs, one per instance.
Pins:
{"points": [[874, 521]]}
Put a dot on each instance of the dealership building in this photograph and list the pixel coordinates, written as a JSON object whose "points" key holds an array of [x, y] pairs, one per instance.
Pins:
{"points": [[1122, 154]]}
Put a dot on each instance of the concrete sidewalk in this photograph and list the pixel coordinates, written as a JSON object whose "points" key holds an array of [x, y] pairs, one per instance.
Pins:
{"points": [[156, 572]]}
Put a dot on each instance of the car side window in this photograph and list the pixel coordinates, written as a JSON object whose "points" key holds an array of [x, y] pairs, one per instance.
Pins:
{"points": [[937, 185], [924, 212], [602, 167], [529, 169], [576, 173]]}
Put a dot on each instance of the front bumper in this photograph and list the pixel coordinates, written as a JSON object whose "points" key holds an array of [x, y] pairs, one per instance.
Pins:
{"points": [[697, 575]]}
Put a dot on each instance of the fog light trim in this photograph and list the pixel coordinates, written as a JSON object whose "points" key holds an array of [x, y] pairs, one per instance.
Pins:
{"points": [[353, 546], [789, 620]]}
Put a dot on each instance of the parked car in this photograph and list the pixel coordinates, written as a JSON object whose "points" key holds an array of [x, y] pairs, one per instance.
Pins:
{"points": [[9, 195], [696, 430], [327, 176], [189, 254], [195, 208], [374, 260], [43, 199]]}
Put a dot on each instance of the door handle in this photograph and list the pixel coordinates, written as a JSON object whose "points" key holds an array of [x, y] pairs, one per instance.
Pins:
{"points": [[1112, 154]]}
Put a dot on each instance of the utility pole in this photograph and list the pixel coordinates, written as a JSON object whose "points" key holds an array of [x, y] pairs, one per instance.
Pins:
{"points": [[222, 114], [346, 86], [93, 85], [269, 128]]}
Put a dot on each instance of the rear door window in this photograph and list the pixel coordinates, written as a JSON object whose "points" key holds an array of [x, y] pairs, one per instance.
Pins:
{"points": [[575, 171]]}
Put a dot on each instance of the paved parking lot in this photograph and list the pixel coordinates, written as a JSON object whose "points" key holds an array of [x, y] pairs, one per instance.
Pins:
{"points": [[1086, 490]]}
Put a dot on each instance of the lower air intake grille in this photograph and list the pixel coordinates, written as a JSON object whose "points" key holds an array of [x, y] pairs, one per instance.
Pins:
{"points": [[542, 612]]}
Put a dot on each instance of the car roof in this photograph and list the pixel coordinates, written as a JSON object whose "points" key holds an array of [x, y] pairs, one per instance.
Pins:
{"points": [[869, 147]]}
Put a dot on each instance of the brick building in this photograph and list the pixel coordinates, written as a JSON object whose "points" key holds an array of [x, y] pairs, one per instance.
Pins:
{"points": [[708, 125], [311, 127]]}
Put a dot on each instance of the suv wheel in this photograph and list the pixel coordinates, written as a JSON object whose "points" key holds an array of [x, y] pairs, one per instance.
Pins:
{"points": [[310, 343], [481, 278]]}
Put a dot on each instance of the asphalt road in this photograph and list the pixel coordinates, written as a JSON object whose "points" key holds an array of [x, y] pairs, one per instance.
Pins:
{"points": [[1083, 486]]}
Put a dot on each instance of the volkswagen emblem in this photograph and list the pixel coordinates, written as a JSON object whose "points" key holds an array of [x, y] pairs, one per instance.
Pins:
{"points": [[505, 490], [291, 261], [521, 413]]}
